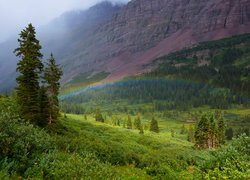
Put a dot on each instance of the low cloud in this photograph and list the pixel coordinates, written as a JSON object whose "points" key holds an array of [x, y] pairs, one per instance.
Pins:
{"points": [[16, 14]]}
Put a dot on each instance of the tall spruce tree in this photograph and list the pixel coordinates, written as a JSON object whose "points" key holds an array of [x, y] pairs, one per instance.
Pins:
{"points": [[137, 122], [98, 115], [221, 126], [213, 133], [202, 132], [206, 133], [154, 125], [129, 123], [44, 107], [29, 67], [52, 76]]}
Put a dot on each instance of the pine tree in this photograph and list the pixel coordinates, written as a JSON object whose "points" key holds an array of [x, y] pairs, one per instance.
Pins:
{"points": [[124, 124], [44, 108], [29, 67], [52, 75], [229, 133], [221, 127], [191, 134], [206, 133], [118, 122], [98, 115], [213, 141], [202, 132], [137, 122], [154, 125], [129, 123]]}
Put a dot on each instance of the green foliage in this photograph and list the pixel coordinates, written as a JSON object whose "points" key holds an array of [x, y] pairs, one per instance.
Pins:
{"points": [[191, 132], [206, 133], [137, 122], [230, 162], [224, 65], [221, 127], [98, 115], [38, 105], [229, 133], [52, 76], [20, 141], [30, 67], [154, 125], [129, 123], [44, 107], [57, 165]]}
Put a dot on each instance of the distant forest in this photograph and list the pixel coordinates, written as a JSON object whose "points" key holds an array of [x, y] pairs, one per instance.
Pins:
{"points": [[212, 73]]}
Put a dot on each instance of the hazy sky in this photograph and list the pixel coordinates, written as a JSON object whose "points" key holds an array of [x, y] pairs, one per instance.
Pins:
{"points": [[16, 14]]}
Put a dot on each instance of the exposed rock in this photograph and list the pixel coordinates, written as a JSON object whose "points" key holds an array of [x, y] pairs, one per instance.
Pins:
{"points": [[124, 40]]}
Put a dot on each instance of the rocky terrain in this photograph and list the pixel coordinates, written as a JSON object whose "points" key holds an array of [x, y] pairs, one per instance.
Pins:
{"points": [[124, 39]]}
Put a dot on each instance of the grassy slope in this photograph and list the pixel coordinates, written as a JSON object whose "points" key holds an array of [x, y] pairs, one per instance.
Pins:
{"points": [[127, 148]]}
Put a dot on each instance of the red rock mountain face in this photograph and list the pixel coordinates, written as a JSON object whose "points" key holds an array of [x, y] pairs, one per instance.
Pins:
{"points": [[124, 40], [146, 29]]}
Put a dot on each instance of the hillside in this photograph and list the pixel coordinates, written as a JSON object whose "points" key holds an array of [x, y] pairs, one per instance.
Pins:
{"points": [[120, 40], [151, 89], [79, 147], [222, 65]]}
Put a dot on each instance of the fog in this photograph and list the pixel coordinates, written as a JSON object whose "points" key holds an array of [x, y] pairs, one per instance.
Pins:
{"points": [[16, 14]]}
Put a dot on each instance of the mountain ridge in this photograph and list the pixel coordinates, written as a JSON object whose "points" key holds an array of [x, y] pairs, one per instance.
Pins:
{"points": [[131, 36]]}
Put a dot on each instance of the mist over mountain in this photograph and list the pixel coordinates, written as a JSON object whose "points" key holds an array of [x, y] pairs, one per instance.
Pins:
{"points": [[123, 39], [61, 36]]}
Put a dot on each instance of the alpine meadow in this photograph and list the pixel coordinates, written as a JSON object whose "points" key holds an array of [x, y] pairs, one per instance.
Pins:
{"points": [[125, 89]]}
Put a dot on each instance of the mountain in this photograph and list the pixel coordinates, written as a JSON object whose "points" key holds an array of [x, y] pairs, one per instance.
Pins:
{"points": [[122, 40]]}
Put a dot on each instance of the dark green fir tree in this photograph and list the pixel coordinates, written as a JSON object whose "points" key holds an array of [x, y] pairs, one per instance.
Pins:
{"points": [[29, 68], [221, 126], [52, 76], [129, 123], [44, 108], [137, 122], [98, 115], [154, 125]]}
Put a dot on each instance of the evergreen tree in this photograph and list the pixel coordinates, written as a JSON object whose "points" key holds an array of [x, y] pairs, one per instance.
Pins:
{"points": [[141, 130], [52, 75], [137, 122], [202, 132], [191, 134], [206, 133], [98, 115], [213, 133], [44, 108], [154, 125], [229, 133], [124, 124], [129, 123], [221, 127], [118, 122], [29, 67]]}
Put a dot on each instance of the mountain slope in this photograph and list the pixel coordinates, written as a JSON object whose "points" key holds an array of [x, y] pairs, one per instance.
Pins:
{"points": [[121, 40]]}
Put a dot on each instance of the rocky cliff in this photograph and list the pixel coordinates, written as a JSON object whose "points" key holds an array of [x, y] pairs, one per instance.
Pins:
{"points": [[145, 29], [123, 40]]}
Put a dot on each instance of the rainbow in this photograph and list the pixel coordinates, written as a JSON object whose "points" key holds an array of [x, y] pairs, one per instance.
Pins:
{"points": [[98, 86]]}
